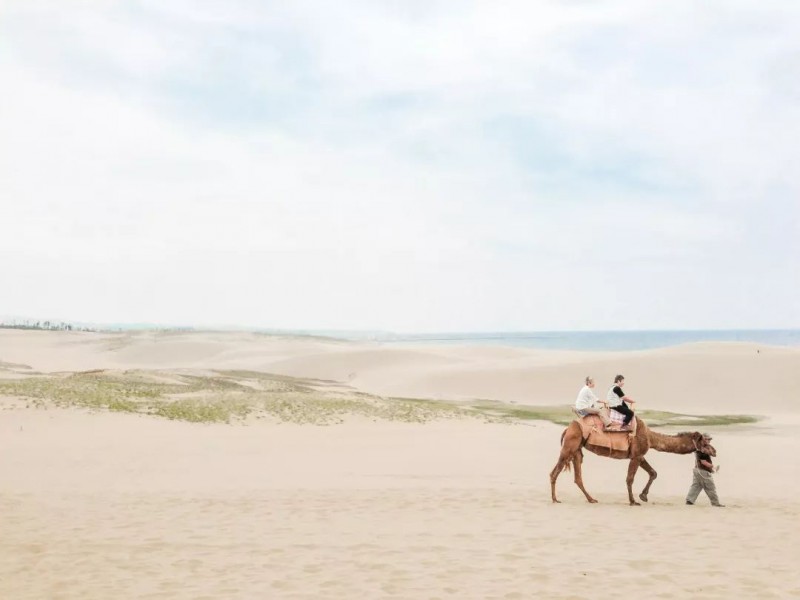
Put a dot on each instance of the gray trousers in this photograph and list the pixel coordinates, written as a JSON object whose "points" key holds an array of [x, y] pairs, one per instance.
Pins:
{"points": [[702, 480]]}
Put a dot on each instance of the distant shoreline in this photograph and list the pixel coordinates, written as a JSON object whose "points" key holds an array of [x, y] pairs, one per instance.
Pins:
{"points": [[605, 340], [619, 341]]}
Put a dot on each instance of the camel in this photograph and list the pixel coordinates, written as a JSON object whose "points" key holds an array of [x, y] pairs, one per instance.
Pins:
{"points": [[572, 443]]}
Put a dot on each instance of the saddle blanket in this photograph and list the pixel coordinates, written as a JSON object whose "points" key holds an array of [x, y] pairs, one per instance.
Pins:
{"points": [[618, 417], [593, 433]]}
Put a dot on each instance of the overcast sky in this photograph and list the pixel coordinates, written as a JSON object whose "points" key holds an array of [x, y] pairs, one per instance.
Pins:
{"points": [[406, 165]]}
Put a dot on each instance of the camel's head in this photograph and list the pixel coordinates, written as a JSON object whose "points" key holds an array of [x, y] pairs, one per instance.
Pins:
{"points": [[702, 443]]}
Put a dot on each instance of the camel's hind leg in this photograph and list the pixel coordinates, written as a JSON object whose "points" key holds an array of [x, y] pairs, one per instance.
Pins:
{"points": [[563, 462], [650, 471], [577, 461], [570, 445]]}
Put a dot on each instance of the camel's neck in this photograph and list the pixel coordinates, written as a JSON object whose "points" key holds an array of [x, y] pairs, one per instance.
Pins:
{"points": [[677, 444]]}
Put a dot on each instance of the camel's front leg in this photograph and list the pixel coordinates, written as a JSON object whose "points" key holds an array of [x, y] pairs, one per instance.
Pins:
{"points": [[577, 461], [632, 468], [650, 471]]}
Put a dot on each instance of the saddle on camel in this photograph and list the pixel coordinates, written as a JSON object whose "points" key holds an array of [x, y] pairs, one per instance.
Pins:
{"points": [[607, 437]]}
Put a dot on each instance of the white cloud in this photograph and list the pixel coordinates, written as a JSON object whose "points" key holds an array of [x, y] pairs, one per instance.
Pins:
{"points": [[400, 166]]}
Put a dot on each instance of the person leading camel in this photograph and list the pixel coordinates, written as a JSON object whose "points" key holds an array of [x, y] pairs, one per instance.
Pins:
{"points": [[618, 401], [703, 477], [588, 403]]}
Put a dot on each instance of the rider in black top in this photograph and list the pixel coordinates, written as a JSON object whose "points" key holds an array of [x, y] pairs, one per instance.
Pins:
{"points": [[617, 400]]}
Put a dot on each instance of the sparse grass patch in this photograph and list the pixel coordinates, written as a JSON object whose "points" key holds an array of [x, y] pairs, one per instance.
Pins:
{"points": [[201, 410], [562, 415], [326, 409], [229, 396], [661, 418], [225, 398]]}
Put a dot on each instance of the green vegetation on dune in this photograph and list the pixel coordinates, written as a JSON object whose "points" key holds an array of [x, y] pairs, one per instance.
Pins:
{"points": [[200, 410], [562, 415], [224, 397], [234, 396], [669, 419]]}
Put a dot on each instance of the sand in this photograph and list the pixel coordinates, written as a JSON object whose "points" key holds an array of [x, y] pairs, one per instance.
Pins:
{"points": [[98, 504]]}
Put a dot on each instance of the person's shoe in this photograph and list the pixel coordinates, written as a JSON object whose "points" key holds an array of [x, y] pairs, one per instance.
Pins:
{"points": [[690, 503]]}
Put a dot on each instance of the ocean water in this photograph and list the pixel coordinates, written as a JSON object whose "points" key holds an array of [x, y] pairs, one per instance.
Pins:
{"points": [[596, 340]]}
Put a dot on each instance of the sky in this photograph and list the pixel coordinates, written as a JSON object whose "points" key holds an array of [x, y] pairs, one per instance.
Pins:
{"points": [[402, 166]]}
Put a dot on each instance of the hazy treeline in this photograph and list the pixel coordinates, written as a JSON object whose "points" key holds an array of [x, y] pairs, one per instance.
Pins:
{"points": [[47, 325]]}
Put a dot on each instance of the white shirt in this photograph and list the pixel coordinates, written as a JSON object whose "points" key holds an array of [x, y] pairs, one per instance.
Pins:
{"points": [[586, 398], [612, 398]]}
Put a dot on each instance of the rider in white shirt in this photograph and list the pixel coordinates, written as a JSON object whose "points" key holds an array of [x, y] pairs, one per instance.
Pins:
{"points": [[587, 403]]}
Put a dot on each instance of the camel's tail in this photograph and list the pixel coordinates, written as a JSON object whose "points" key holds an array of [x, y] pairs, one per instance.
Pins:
{"points": [[568, 466]]}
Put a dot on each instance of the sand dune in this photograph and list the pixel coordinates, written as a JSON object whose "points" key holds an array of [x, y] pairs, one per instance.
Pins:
{"points": [[711, 378], [98, 504]]}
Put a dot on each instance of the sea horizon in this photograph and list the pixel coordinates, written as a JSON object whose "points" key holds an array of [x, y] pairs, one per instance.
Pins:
{"points": [[609, 340], [613, 340]]}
